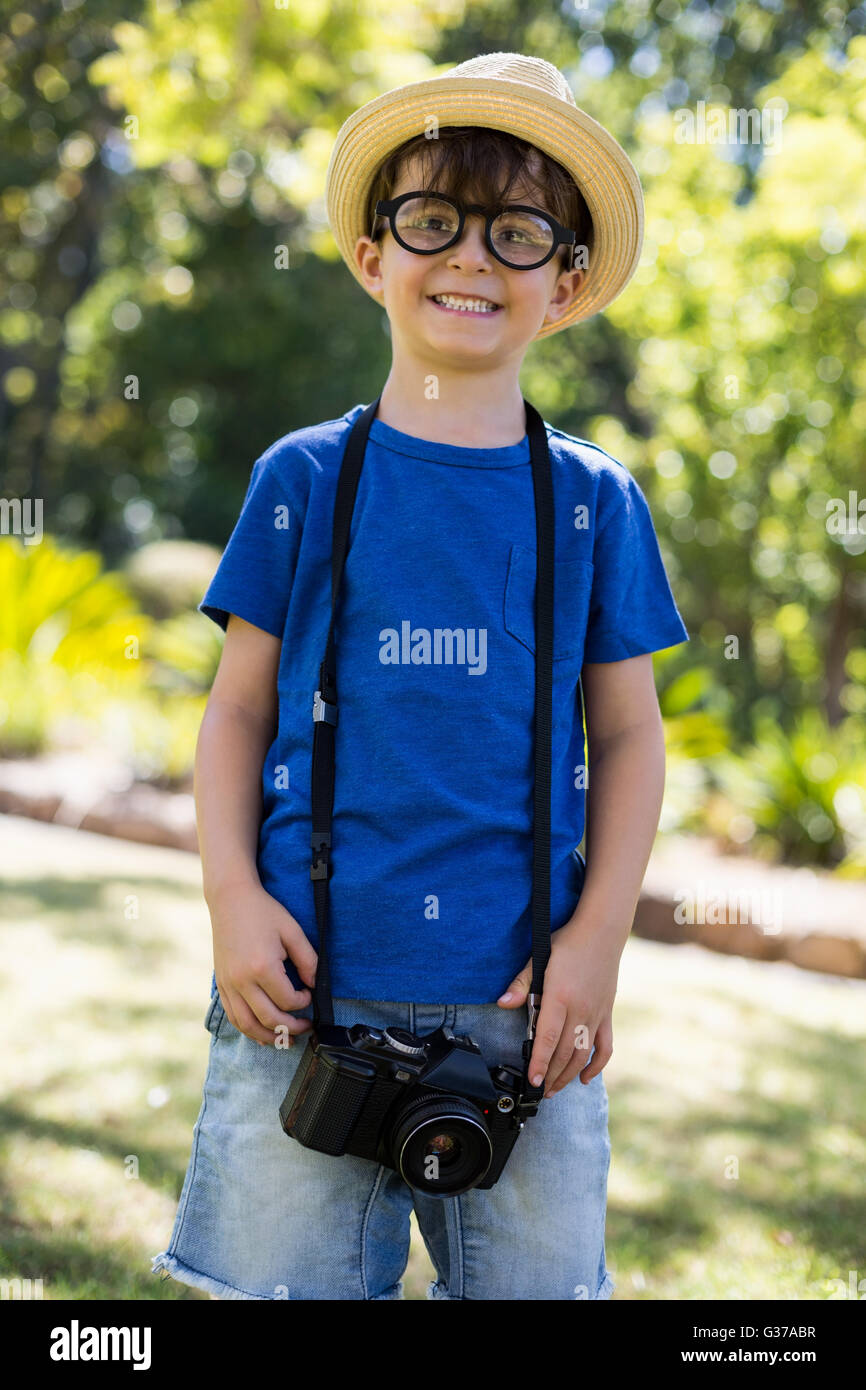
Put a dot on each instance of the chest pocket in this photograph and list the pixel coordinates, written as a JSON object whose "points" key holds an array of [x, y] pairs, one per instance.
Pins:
{"points": [[572, 581]]}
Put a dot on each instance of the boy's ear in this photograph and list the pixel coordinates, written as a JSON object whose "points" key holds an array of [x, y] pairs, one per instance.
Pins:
{"points": [[567, 286], [368, 258]]}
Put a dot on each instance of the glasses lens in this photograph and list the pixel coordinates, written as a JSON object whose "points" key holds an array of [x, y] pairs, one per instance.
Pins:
{"points": [[425, 224], [521, 238]]}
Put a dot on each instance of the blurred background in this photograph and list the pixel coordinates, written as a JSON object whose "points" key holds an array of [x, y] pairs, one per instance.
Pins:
{"points": [[171, 303]]}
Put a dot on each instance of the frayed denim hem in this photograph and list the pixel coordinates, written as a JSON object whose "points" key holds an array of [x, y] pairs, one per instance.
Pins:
{"points": [[196, 1280], [438, 1290]]}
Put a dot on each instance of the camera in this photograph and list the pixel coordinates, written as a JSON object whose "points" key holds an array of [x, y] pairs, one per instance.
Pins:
{"points": [[426, 1106]]}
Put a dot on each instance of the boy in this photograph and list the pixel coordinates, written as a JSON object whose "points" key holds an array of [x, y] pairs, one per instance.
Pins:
{"points": [[429, 920]]}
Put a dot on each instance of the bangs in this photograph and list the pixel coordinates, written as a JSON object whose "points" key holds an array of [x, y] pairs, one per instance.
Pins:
{"points": [[478, 165]]}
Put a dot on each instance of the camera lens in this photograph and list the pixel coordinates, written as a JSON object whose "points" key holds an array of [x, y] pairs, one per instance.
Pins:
{"points": [[446, 1146], [441, 1145]]}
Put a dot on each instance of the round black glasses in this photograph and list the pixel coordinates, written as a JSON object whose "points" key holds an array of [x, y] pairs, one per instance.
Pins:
{"points": [[519, 236]]}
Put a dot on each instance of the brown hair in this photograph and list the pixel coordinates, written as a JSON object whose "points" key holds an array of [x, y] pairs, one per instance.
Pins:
{"points": [[466, 160]]}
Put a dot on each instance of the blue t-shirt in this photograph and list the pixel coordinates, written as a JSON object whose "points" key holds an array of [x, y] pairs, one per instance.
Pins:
{"points": [[430, 893]]}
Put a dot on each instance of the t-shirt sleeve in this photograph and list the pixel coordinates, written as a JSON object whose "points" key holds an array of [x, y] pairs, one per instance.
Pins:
{"points": [[254, 576], [632, 609]]}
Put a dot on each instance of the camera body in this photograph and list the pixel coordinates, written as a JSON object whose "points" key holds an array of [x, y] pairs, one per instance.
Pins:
{"points": [[428, 1107]]}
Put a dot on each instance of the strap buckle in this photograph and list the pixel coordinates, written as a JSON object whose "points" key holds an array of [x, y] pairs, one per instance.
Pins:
{"points": [[321, 844], [323, 710], [534, 1006]]}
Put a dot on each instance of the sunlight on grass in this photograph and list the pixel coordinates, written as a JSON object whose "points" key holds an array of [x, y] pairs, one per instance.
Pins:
{"points": [[104, 985], [736, 1093], [736, 1108]]}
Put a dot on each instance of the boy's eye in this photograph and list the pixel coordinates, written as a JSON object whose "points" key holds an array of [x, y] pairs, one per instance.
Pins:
{"points": [[429, 224], [426, 222], [522, 229]]}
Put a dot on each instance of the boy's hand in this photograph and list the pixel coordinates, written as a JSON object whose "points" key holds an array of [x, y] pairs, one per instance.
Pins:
{"points": [[252, 935], [576, 1008]]}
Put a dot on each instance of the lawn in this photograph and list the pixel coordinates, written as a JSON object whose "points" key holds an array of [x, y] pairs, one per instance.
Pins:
{"points": [[737, 1093]]}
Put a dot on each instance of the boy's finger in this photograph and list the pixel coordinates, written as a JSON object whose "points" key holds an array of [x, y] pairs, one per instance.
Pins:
{"points": [[271, 1017], [572, 1053], [603, 1051], [241, 1016], [518, 989], [548, 1032], [278, 987], [302, 956], [563, 1058], [559, 1076]]}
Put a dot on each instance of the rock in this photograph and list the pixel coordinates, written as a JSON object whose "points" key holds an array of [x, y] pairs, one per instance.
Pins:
{"points": [[835, 955]]}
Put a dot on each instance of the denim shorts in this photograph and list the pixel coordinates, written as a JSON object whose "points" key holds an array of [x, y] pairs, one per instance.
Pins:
{"points": [[260, 1216]]}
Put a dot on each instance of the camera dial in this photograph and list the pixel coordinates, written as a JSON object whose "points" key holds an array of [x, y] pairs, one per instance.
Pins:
{"points": [[403, 1041]]}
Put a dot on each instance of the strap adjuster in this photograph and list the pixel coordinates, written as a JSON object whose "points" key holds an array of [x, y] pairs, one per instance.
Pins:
{"points": [[321, 844], [323, 710], [534, 1007]]}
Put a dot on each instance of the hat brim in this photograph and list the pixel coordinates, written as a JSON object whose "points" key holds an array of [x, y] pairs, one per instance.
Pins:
{"points": [[598, 164]]}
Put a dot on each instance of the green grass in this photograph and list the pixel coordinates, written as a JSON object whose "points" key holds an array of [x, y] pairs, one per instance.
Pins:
{"points": [[737, 1093]]}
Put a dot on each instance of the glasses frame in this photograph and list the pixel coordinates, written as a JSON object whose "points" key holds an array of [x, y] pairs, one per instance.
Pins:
{"points": [[388, 207]]}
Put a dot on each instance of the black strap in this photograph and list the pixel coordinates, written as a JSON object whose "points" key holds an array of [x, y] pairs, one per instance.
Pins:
{"points": [[325, 711]]}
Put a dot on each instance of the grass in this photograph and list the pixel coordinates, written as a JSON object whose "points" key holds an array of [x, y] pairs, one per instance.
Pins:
{"points": [[737, 1093]]}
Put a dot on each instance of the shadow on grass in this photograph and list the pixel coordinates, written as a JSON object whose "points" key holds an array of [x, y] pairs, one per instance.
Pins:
{"points": [[788, 1177], [91, 910], [158, 1166], [83, 1269], [76, 1263], [674, 1127]]}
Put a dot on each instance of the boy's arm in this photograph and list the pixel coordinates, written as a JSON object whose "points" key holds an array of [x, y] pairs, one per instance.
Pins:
{"points": [[236, 732], [625, 739], [252, 932]]}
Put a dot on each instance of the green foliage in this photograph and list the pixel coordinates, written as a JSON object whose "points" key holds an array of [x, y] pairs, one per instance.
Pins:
{"points": [[59, 606], [155, 734], [80, 664], [169, 577], [70, 640], [185, 651], [37, 696], [800, 797], [745, 314], [693, 707]]}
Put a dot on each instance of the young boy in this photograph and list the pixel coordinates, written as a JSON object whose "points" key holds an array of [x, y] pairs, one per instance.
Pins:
{"points": [[429, 903]]}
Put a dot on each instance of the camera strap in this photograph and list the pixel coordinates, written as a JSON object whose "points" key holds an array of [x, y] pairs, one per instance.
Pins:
{"points": [[325, 713]]}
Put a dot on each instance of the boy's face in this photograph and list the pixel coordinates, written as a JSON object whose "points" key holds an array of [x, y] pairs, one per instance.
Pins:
{"points": [[405, 284]]}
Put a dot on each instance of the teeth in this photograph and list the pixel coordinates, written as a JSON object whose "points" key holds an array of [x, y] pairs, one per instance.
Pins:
{"points": [[477, 305]]}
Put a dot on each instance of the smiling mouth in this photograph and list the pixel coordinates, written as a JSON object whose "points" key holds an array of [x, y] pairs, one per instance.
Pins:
{"points": [[465, 304]]}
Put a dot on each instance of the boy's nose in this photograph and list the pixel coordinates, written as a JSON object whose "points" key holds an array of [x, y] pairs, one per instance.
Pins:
{"points": [[471, 247]]}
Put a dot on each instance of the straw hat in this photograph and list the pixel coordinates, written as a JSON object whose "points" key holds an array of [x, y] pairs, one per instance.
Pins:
{"points": [[531, 99]]}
